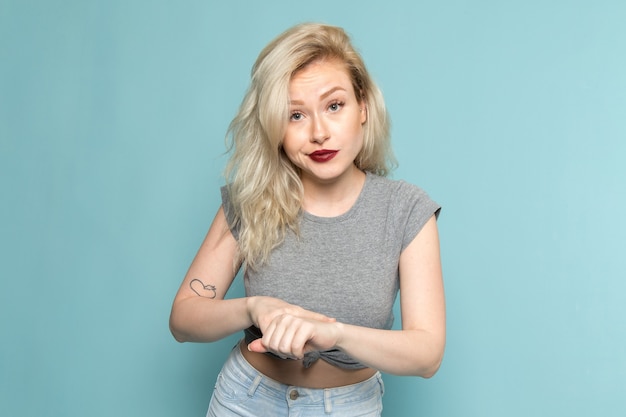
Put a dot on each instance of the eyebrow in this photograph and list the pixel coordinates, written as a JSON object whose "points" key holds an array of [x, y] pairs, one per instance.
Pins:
{"points": [[323, 96]]}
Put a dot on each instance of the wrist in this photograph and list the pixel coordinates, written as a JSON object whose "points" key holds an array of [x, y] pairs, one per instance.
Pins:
{"points": [[340, 329], [249, 306]]}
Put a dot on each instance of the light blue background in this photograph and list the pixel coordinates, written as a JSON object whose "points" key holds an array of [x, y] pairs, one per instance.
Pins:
{"points": [[512, 114]]}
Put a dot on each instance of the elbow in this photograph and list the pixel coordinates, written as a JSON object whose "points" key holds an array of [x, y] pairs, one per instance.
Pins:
{"points": [[431, 370], [430, 364], [177, 336], [423, 368], [174, 330]]}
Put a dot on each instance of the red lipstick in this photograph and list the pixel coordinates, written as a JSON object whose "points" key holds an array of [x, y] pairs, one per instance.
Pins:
{"points": [[323, 155]]}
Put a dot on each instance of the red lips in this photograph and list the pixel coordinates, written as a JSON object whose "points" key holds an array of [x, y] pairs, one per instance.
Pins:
{"points": [[323, 155]]}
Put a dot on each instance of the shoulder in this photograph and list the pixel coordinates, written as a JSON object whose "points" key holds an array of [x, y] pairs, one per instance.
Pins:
{"points": [[397, 190], [408, 206]]}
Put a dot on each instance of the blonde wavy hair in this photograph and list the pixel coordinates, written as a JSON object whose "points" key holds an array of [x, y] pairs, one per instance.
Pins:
{"points": [[264, 186]]}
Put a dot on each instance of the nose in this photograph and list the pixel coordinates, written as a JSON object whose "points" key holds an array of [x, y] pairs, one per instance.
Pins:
{"points": [[319, 132]]}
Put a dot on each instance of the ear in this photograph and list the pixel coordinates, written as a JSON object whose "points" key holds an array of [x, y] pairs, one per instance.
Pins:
{"points": [[363, 106]]}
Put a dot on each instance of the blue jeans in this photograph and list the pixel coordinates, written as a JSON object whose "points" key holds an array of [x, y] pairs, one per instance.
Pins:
{"points": [[241, 390]]}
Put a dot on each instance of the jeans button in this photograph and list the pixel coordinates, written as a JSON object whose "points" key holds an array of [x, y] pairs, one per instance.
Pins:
{"points": [[294, 394]]}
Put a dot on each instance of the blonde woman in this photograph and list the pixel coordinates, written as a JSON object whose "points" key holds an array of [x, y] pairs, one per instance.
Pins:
{"points": [[326, 241]]}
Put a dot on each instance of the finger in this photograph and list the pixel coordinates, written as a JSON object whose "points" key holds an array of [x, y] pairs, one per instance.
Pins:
{"points": [[283, 339], [272, 336], [301, 337], [257, 346], [278, 335], [285, 344]]}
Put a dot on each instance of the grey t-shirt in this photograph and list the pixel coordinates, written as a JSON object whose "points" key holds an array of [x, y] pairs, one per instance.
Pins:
{"points": [[345, 267]]}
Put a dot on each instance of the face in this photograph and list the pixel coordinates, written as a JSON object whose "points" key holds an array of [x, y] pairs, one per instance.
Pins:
{"points": [[325, 129]]}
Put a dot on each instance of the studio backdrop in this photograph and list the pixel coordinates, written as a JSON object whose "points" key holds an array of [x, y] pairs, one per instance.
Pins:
{"points": [[511, 114]]}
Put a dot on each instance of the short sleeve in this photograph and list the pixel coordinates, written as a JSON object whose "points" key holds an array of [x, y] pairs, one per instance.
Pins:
{"points": [[415, 208], [229, 212]]}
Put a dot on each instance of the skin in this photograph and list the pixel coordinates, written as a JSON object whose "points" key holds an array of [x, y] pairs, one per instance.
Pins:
{"points": [[325, 114]]}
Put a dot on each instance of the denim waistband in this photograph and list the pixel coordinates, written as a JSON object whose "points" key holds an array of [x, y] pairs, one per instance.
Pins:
{"points": [[257, 380]]}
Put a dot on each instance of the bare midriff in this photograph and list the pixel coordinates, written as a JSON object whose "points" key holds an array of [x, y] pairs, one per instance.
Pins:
{"points": [[320, 374]]}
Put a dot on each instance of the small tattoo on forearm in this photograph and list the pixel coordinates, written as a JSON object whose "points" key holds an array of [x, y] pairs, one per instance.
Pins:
{"points": [[208, 290]]}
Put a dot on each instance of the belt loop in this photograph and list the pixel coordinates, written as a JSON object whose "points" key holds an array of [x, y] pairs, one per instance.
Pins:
{"points": [[328, 406], [381, 382], [254, 385]]}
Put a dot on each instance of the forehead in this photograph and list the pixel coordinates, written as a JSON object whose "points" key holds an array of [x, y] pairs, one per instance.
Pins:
{"points": [[319, 75]]}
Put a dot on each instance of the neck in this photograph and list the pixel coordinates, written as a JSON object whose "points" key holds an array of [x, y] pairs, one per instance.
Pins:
{"points": [[333, 198]]}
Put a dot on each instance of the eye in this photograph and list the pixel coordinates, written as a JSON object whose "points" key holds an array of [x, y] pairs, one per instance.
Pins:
{"points": [[295, 116], [335, 106]]}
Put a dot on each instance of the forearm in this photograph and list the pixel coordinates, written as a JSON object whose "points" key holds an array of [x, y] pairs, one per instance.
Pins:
{"points": [[197, 319], [398, 352]]}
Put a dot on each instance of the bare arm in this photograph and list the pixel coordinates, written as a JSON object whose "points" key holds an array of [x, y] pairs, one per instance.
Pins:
{"points": [[199, 312], [417, 349]]}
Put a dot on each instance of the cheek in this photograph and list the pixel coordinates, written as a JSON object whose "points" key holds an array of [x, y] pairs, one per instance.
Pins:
{"points": [[294, 139], [290, 147], [358, 133], [288, 143]]}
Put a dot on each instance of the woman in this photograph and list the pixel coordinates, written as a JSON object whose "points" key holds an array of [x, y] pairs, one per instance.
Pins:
{"points": [[326, 241]]}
